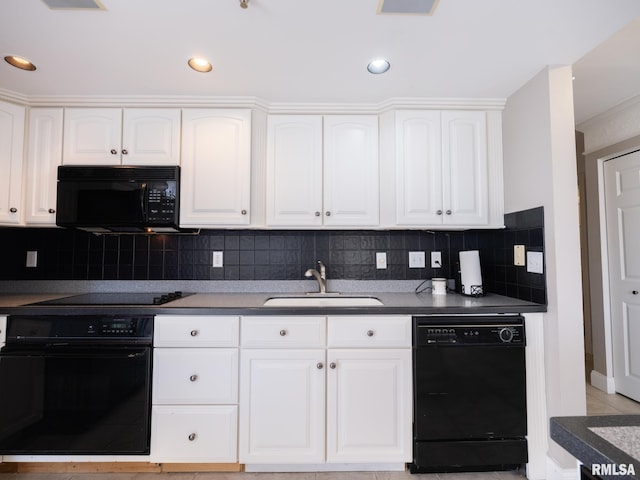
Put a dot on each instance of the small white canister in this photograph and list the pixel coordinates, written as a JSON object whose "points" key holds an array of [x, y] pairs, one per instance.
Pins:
{"points": [[439, 286]]}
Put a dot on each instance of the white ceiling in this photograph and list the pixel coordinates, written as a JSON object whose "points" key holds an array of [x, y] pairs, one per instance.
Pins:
{"points": [[308, 51]]}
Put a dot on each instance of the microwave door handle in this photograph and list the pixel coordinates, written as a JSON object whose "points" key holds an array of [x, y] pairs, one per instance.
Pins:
{"points": [[143, 196]]}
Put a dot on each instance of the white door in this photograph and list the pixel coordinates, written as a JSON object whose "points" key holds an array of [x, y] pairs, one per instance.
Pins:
{"points": [[369, 406], [622, 200], [92, 136], [351, 180], [282, 406], [418, 168], [11, 160], [294, 170], [151, 136], [216, 167], [465, 168], [44, 155]]}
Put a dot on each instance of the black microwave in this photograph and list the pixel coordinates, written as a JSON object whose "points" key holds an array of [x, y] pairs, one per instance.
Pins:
{"points": [[103, 199]]}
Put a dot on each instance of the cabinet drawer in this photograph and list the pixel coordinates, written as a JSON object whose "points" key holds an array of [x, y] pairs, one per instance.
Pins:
{"points": [[369, 331], [205, 434], [283, 332], [195, 331], [195, 375]]}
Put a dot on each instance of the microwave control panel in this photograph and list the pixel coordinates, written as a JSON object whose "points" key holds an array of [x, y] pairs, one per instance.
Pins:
{"points": [[161, 201]]}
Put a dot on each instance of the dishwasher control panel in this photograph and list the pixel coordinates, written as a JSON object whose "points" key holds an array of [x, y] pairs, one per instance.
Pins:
{"points": [[457, 331]]}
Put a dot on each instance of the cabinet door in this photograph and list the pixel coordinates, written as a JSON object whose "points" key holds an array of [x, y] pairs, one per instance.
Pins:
{"points": [[294, 170], [418, 168], [44, 155], [92, 136], [11, 161], [465, 173], [351, 180], [195, 375], [151, 136], [282, 406], [369, 409], [216, 161]]}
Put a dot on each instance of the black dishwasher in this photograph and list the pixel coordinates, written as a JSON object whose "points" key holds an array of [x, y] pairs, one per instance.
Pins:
{"points": [[469, 393]]}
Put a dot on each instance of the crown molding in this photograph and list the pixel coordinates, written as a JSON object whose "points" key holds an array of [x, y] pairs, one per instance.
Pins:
{"points": [[138, 101]]}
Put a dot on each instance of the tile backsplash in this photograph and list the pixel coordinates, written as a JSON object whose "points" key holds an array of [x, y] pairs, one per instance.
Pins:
{"points": [[274, 255]]}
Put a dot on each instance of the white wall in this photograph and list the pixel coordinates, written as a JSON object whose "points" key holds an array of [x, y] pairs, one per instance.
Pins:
{"points": [[540, 169]]}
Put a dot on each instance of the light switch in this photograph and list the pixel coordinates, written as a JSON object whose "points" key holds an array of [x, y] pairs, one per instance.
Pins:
{"points": [[535, 262], [217, 260], [518, 255], [416, 260], [32, 259], [381, 260]]}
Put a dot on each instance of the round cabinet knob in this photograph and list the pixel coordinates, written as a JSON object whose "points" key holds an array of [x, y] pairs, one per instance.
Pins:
{"points": [[13, 209], [319, 365], [328, 214], [635, 292], [448, 212], [283, 333], [51, 210], [317, 214], [438, 212], [243, 212], [332, 365], [193, 378], [192, 437], [114, 151], [370, 333], [125, 151], [194, 333]]}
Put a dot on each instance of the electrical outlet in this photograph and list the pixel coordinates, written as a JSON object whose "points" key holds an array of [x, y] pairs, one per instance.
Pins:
{"points": [[416, 260], [381, 260], [217, 260], [32, 259], [436, 259], [518, 255]]}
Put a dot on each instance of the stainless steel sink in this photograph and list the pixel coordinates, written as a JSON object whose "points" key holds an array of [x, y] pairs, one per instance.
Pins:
{"points": [[323, 300]]}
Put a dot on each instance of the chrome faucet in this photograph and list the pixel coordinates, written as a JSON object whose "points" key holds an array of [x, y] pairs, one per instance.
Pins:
{"points": [[321, 276]]}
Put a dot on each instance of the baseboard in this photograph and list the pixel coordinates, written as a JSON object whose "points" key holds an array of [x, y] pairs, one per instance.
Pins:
{"points": [[556, 472], [115, 467], [602, 382], [326, 467]]}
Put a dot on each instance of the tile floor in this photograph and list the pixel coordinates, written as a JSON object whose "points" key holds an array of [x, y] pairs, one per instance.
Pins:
{"points": [[598, 403]]}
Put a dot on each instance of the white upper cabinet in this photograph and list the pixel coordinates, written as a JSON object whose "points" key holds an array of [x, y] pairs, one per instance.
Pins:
{"points": [[112, 136], [322, 171], [11, 162], [216, 167], [447, 164], [44, 155]]}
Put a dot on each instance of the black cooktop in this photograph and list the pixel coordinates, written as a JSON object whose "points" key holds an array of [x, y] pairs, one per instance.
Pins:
{"points": [[122, 299]]}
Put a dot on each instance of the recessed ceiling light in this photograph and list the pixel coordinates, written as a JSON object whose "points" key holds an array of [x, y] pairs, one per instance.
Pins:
{"points": [[379, 65], [20, 62], [200, 64]]}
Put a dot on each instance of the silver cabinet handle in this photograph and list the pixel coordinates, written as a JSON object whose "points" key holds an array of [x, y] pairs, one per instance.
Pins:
{"points": [[332, 365], [283, 333], [51, 210], [317, 214], [192, 437], [438, 212], [193, 378], [114, 151], [319, 365], [125, 151], [243, 212], [370, 333], [194, 333], [634, 292], [328, 214], [13, 209], [448, 212]]}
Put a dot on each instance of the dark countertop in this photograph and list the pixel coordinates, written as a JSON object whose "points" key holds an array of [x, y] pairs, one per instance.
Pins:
{"points": [[253, 304], [597, 440]]}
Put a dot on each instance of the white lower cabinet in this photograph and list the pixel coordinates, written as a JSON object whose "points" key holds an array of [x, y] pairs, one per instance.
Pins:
{"points": [[195, 389], [302, 402]]}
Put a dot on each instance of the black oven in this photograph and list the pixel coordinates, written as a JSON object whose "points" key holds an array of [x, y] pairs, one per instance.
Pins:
{"points": [[470, 405], [76, 385], [118, 198]]}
